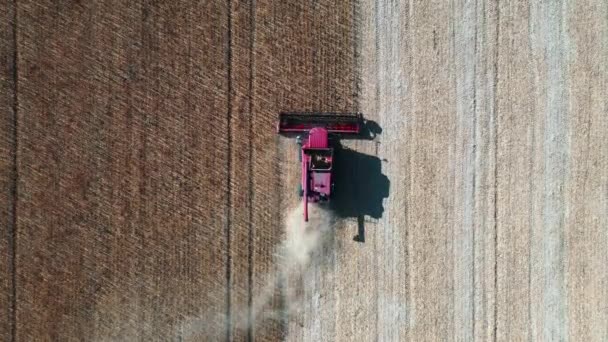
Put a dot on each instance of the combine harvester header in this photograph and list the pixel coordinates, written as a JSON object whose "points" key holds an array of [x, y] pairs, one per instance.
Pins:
{"points": [[333, 123], [316, 151]]}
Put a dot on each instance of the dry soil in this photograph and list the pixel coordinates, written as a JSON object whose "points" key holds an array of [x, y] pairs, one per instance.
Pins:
{"points": [[146, 196]]}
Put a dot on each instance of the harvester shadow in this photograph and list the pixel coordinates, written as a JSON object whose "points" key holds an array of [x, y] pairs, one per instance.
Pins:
{"points": [[370, 129], [360, 187]]}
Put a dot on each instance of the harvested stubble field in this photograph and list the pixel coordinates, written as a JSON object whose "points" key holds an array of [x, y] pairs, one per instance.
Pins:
{"points": [[146, 196]]}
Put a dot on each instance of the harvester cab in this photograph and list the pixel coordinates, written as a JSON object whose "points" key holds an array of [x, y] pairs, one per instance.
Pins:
{"points": [[313, 132]]}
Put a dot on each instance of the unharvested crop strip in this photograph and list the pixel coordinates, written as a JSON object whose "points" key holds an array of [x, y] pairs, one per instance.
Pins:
{"points": [[12, 229], [146, 43], [250, 168], [229, 168]]}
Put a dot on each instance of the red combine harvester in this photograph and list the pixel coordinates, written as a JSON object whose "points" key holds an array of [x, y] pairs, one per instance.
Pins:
{"points": [[313, 131]]}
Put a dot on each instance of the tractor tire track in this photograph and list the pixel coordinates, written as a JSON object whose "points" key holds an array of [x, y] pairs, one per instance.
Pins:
{"points": [[241, 185]]}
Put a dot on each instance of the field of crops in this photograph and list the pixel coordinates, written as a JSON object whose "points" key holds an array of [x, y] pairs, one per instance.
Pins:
{"points": [[146, 195]]}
